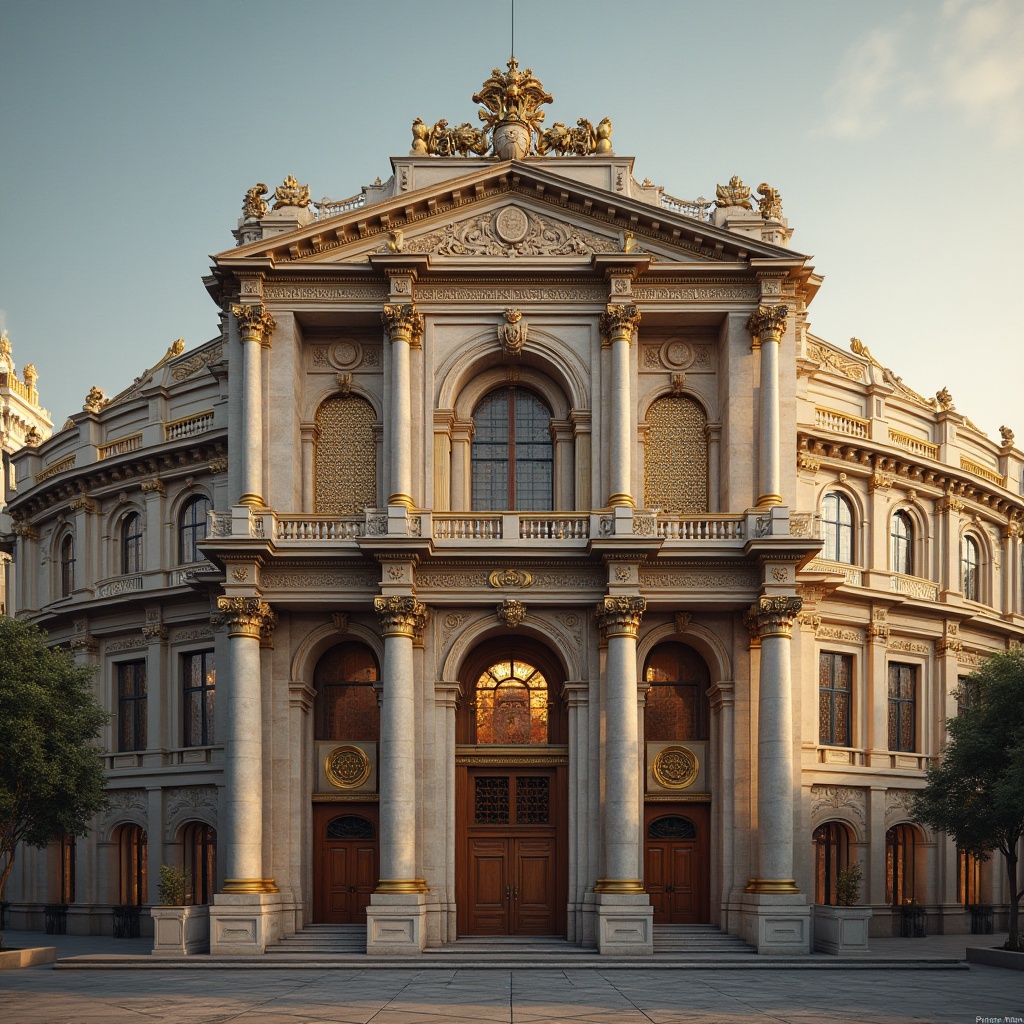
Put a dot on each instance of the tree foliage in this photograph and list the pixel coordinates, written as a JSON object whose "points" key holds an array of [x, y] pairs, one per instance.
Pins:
{"points": [[976, 791], [51, 777]]}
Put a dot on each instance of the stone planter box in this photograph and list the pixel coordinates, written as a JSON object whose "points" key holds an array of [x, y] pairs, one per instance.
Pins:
{"points": [[841, 930], [12, 958], [180, 931], [996, 957]]}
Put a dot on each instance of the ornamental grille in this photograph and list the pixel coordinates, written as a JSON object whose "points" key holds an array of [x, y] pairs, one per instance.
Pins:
{"points": [[533, 800], [672, 827], [349, 826], [491, 804], [676, 456], [346, 457]]}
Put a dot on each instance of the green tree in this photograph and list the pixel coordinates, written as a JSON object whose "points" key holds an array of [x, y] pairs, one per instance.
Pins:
{"points": [[51, 777], [975, 793]]}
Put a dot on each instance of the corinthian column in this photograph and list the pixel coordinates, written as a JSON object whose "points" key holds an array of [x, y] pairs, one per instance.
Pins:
{"points": [[773, 617], [767, 326], [405, 327], [618, 325], [399, 619], [243, 757], [255, 326]]}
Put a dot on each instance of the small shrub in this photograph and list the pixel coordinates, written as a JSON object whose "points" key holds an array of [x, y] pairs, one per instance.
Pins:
{"points": [[175, 888], [848, 885]]}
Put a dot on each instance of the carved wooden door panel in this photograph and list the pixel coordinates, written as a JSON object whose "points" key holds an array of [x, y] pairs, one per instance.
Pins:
{"points": [[346, 863], [675, 865], [489, 886], [533, 887]]}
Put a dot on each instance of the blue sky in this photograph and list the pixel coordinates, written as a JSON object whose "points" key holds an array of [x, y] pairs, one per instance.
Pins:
{"points": [[895, 132]]}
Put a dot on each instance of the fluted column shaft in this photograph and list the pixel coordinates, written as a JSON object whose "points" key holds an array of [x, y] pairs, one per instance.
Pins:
{"points": [[255, 325], [619, 618], [773, 618], [618, 324], [399, 617], [242, 835], [405, 328], [767, 326]]}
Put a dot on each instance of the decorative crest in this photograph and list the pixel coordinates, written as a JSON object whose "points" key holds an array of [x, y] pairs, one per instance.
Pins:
{"points": [[512, 612], [770, 203], [512, 334], [254, 206], [291, 193], [733, 194], [512, 96]]}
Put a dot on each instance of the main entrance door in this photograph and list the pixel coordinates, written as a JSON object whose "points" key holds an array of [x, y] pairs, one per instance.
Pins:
{"points": [[676, 862], [346, 862], [512, 869]]}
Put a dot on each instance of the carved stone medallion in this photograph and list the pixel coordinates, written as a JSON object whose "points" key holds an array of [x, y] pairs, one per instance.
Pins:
{"points": [[675, 767], [347, 767], [511, 224]]}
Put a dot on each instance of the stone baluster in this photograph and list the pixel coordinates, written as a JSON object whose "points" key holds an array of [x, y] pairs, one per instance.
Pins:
{"points": [[767, 326], [618, 328], [405, 327], [255, 326]]}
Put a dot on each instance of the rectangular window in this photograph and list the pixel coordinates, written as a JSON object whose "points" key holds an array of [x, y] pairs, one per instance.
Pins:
{"points": [[902, 707], [131, 706], [199, 674], [835, 686]]}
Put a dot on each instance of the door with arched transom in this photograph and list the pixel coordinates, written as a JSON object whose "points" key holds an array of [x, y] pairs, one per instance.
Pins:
{"points": [[346, 861], [676, 868]]}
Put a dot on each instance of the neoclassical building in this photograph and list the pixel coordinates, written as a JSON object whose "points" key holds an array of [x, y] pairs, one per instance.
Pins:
{"points": [[514, 561]]}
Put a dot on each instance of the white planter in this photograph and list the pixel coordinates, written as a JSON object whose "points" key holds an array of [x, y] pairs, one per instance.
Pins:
{"points": [[180, 931], [841, 930]]}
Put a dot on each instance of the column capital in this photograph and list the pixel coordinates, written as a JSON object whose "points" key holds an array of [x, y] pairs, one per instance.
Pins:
{"points": [[774, 616], [620, 616], [254, 323], [403, 321], [400, 616], [768, 323], [619, 322], [245, 616]]}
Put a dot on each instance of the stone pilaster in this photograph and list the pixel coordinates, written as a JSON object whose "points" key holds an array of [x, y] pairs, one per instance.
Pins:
{"points": [[404, 324], [618, 329], [766, 327], [255, 327]]}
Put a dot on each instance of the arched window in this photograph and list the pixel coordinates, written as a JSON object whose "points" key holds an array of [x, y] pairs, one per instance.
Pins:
{"points": [[511, 704], [512, 452], [350, 826], [676, 456], [192, 528], [901, 536], [133, 848], [837, 515], [200, 842], [831, 855], [676, 703], [970, 577], [968, 878], [346, 702], [672, 826], [131, 544], [900, 842], [346, 456], [67, 566]]}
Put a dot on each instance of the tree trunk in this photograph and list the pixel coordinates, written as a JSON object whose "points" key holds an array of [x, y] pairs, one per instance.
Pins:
{"points": [[1013, 926]]}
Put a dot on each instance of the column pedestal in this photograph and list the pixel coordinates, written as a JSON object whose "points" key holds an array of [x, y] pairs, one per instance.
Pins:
{"points": [[396, 924], [776, 924], [625, 924], [244, 924]]}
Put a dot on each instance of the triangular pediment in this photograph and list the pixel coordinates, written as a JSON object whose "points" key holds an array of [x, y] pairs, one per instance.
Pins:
{"points": [[507, 211]]}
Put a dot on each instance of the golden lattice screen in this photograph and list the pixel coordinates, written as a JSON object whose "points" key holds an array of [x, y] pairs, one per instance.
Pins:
{"points": [[676, 456], [346, 457]]}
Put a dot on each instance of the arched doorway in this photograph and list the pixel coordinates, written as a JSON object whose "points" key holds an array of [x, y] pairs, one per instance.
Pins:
{"points": [[347, 863], [511, 766]]}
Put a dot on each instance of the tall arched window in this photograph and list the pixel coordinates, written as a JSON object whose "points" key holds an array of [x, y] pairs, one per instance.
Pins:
{"points": [[192, 528], [901, 536], [346, 700], [831, 855], [899, 864], [676, 456], [676, 703], [512, 452], [968, 877], [970, 578], [134, 867], [131, 544], [346, 456], [67, 566], [200, 842], [512, 703], [837, 516]]}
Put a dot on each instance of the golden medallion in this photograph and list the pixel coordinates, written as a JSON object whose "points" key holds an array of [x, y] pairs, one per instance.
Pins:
{"points": [[347, 767], [675, 767]]}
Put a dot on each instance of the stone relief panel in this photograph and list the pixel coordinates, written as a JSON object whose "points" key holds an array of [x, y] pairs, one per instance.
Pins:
{"points": [[126, 805], [345, 470], [710, 579], [189, 803], [676, 456], [897, 805], [844, 802], [310, 579], [510, 294]]}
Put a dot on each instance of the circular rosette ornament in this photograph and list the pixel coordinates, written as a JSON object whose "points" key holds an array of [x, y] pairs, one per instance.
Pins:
{"points": [[676, 767], [347, 767]]}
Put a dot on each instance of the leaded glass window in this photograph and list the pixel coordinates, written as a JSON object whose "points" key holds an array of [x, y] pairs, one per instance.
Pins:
{"points": [[131, 706], [511, 704], [192, 528], [837, 516], [970, 578], [346, 705], [672, 826], [902, 707], [831, 855], [199, 673], [901, 537], [512, 452], [835, 686], [349, 826], [131, 543], [676, 706]]}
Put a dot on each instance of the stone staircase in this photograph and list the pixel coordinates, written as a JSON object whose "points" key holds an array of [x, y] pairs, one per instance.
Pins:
{"points": [[703, 940], [322, 940]]}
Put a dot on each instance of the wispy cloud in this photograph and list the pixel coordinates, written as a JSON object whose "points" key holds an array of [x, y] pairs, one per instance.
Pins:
{"points": [[966, 58]]}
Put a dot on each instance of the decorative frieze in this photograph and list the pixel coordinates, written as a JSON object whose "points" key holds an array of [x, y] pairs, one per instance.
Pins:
{"points": [[305, 579], [197, 362], [689, 579]]}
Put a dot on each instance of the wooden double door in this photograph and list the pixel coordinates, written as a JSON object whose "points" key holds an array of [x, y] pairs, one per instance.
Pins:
{"points": [[346, 862], [676, 863], [512, 871]]}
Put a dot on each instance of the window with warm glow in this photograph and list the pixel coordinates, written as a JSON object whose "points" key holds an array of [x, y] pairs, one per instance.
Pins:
{"points": [[511, 704]]}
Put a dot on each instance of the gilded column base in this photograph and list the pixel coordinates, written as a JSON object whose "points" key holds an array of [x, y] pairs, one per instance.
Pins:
{"points": [[401, 499], [774, 885], [254, 500], [249, 885], [629, 886], [402, 885], [768, 500], [619, 499]]}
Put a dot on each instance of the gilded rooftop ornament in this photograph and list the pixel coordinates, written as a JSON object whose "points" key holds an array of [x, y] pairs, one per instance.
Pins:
{"points": [[770, 202], [512, 96], [291, 193], [254, 206], [733, 194]]}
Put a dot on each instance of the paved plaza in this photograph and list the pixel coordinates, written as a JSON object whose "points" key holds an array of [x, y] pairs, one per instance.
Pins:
{"points": [[812, 994]]}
